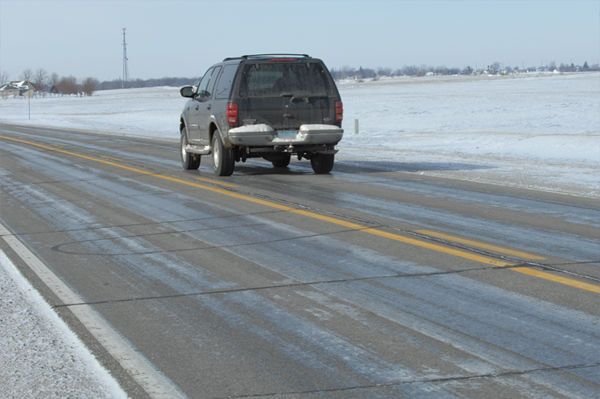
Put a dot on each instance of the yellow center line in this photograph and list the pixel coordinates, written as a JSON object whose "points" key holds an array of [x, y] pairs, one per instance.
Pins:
{"points": [[350, 225], [558, 279], [481, 245], [215, 182], [313, 215], [114, 159], [524, 270]]}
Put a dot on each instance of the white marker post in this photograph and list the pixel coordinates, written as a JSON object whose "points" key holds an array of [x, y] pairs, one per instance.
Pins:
{"points": [[356, 126]]}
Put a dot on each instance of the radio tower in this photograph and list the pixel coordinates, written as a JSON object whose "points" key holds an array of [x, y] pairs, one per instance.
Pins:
{"points": [[125, 72]]}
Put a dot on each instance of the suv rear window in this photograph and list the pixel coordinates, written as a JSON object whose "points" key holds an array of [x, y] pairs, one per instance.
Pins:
{"points": [[225, 81], [299, 79]]}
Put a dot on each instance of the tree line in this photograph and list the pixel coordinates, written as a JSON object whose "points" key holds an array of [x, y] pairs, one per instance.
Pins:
{"points": [[347, 72], [53, 83], [139, 83], [68, 85]]}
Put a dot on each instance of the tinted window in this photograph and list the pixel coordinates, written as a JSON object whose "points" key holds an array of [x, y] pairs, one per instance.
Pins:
{"points": [[225, 81], [211, 82], [204, 82], [274, 79]]}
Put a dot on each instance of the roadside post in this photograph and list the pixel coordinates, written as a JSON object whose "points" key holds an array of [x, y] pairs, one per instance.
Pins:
{"points": [[356, 126]]}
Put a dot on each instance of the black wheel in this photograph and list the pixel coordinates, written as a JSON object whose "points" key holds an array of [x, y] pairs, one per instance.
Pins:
{"points": [[223, 161], [322, 163], [282, 162], [188, 161]]}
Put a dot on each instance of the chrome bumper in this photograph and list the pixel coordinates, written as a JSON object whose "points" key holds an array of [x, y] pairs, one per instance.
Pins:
{"points": [[264, 135]]}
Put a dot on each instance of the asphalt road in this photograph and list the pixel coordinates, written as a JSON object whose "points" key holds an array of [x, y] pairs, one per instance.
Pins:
{"points": [[280, 283]]}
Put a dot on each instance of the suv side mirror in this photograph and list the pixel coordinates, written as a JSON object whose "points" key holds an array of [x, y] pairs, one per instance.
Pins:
{"points": [[187, 91]]}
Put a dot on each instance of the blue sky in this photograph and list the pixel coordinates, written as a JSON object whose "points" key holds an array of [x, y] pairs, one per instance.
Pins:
{"points": [[183, 38]]}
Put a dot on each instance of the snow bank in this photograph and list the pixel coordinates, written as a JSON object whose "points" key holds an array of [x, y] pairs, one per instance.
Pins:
{"points": [[41, 356]]}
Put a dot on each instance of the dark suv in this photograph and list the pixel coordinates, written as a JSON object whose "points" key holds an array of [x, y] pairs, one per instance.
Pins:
{"points": [[269, 105]]}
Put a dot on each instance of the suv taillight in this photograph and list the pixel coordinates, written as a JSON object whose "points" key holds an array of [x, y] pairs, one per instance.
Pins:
{"points": [[339, 111], [232, 113]]}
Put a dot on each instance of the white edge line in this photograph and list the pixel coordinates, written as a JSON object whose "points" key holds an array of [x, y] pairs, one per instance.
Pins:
{"points": [[106, 382], [154, 382]]}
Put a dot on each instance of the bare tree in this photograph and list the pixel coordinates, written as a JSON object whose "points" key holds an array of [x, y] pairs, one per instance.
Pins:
{"points": [[27, 75], [381, 71], [139, 83], [348, 71], [495, 67], [441, 70], [40, 78], [89, 85], [54, 79], [168, 81], [68, 85], [53, 82], [410, 70], [4, 78]]}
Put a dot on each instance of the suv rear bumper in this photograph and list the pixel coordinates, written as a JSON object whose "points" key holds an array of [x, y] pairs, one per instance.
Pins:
{"points": [[264, 135]]}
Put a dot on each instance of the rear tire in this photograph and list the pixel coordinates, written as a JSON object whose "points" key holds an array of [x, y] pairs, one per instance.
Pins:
{"points": [[223, 160], [188, 161], [282, 162], [322, 163]]}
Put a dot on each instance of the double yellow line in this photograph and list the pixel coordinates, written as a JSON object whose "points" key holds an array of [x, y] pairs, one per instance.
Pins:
{"points": [[355, 226], [525, 270]]}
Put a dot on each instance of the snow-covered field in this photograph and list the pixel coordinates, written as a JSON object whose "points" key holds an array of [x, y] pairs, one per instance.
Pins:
{"points": [[535, 131], [540, 131]]}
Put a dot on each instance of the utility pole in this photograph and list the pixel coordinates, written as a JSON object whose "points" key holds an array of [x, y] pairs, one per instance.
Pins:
{"points": [[125, 72]]}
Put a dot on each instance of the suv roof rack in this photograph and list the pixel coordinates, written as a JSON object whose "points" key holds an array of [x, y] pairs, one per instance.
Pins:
{"points": [[245, 57]]}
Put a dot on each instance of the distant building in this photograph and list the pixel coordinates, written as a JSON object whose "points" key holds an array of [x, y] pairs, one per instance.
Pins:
{"points": [[23, 87], [7, 91]]}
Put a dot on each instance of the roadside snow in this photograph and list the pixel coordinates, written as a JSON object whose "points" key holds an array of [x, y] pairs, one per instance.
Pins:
{"points": [[534, 131], [41, 357]]}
